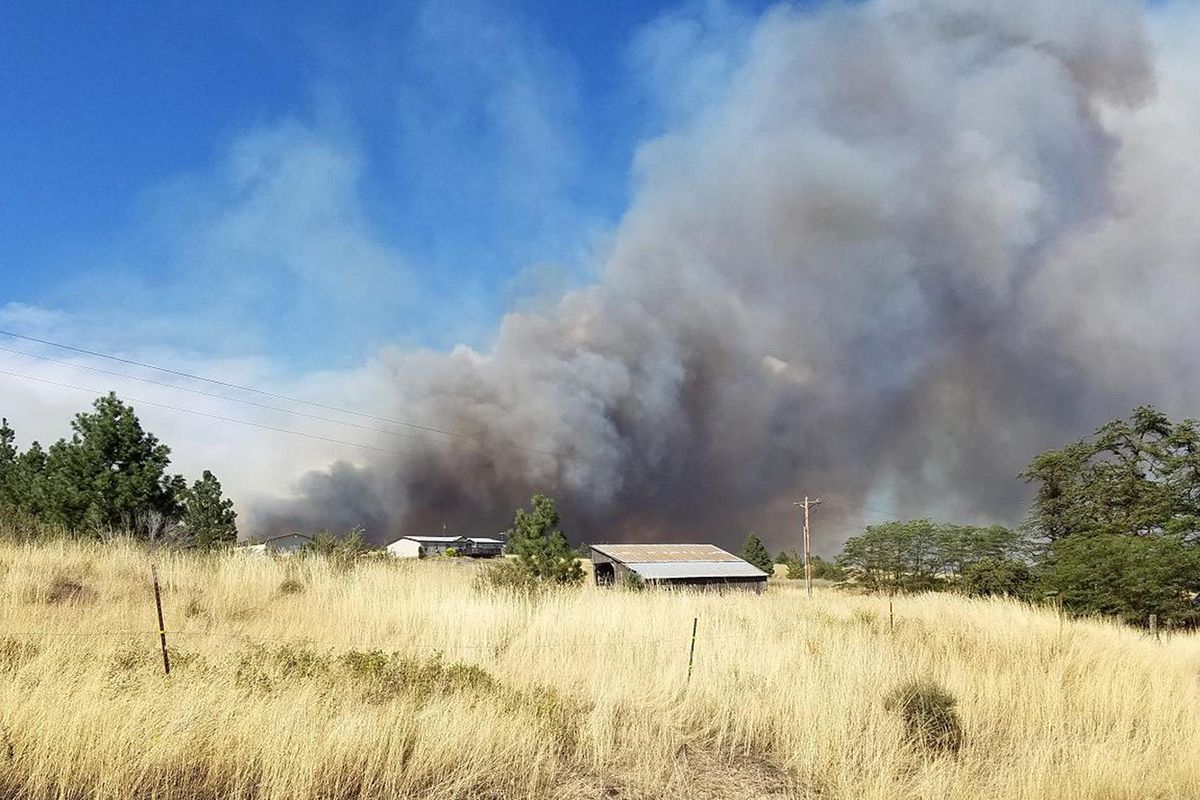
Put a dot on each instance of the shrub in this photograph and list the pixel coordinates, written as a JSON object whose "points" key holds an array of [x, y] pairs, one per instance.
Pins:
{"points": [[15, 652], [997, 576], [509, 576], [451, 552], [342, 551], [1124, 576], [928, 712], [291, 586], [68, 590], [632, 582], [386, 675]]}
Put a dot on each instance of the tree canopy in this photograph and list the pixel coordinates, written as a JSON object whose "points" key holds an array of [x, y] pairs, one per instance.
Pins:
{"points": [[111, 475], [918, 554], [1139, 476]]}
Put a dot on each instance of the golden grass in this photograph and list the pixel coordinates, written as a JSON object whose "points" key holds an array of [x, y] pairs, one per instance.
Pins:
{"points": [[575, 694]]}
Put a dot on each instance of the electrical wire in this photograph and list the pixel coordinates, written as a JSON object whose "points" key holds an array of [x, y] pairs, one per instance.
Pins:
{"points": [[254, 390]]}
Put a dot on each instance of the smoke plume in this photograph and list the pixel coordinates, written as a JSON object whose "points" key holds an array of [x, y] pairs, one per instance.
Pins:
{"points": [[898, 249]]}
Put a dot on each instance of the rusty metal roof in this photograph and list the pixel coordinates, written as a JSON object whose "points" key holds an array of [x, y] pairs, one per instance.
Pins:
{"points": [[663, 553], [674, 570]]}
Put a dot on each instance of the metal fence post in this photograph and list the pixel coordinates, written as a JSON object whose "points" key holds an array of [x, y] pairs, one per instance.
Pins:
{"points": [[162, 628], [692, 651]]}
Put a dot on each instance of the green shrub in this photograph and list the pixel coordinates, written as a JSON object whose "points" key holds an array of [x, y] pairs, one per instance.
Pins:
{"points": [[507, 575], [1124, 576], [928, 712], [632, 582], [386, 675], [997, 577]]}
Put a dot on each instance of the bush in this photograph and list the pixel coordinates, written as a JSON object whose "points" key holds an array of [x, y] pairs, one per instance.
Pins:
{"points": [[632, 582], [507, 576], [291, 586], [927, 711], [997, 577], [342, 551], [1124, 576]]}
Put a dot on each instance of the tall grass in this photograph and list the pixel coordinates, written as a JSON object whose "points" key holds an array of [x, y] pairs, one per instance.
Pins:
{"points": [[299, 679]]}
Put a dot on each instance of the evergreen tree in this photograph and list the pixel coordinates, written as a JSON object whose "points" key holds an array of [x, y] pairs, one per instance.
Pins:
{"points": [[27, 481], [8, 463], [208, 517], [755, 552], [110, 474], [540, 546]]}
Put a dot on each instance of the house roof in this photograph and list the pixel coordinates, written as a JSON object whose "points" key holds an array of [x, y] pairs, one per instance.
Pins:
{"points": [[485, 540], [664, 553], [436, 539]]}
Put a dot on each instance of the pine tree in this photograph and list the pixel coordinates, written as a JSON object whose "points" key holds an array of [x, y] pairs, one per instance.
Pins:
{"points": [[208, 517], [541, 548], [110, 473], [8, 463], [755, 552]]}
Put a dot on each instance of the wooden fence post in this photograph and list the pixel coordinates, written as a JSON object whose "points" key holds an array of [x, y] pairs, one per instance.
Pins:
{"points": [[692, 651], [162, 628], [1154, 626]]}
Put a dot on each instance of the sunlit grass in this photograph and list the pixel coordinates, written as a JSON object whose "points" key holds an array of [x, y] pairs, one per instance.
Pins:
{"points": [[277, 690]]}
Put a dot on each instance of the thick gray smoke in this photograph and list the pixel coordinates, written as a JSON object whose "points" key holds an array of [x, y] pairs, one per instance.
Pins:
{"points": [[902, 248]]}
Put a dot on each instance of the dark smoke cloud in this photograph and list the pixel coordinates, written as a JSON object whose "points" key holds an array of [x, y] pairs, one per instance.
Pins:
{"points": [[905, 247]]}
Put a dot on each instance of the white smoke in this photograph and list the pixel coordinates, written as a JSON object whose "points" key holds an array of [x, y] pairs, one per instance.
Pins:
{"points": [[900, 248]]}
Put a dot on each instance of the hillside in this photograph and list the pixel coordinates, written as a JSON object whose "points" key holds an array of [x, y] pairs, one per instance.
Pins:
{"points": [[297, 679]]}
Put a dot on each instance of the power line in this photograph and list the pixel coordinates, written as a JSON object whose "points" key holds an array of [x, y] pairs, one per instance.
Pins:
{"points": [[210, 416], [264, 392], [887, 514], [203, 393]]}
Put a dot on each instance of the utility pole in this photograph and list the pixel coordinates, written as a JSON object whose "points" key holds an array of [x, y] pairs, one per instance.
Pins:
{"points": [[808, 505]]}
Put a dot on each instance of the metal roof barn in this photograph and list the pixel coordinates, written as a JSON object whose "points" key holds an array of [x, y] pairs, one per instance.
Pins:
{"points": [[702, 566]]}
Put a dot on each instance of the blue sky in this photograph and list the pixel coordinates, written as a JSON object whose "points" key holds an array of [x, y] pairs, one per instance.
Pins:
{"points": [[310, 184]]}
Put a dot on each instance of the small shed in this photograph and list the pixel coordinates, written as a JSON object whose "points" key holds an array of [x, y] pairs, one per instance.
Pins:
{"points": [[700, 566]]}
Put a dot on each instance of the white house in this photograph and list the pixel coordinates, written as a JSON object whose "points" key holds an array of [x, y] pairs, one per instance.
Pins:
{"points": [[405, 548], [425, 546]]}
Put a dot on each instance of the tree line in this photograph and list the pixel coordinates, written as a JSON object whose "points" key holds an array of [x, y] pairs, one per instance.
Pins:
{"points": [[111, 476], [1114, 529]]}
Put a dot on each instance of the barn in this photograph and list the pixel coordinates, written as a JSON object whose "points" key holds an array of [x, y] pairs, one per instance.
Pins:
{"points": [[700, 566]]}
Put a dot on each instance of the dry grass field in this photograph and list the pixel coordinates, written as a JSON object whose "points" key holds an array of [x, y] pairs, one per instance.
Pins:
{"points": [[295, 679]]}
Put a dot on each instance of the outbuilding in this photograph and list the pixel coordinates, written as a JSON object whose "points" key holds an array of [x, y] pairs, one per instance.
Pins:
{"points": [[700, 566], [283, 545]]}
